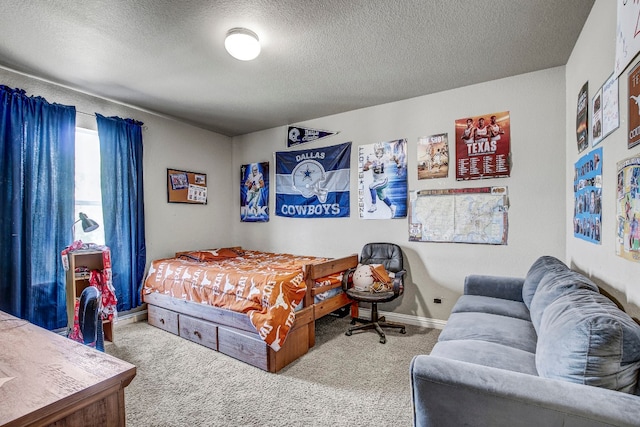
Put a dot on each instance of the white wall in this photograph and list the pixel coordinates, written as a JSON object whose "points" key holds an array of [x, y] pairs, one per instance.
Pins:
{"points": [[536, 186], [167, 144], [592, 60]]}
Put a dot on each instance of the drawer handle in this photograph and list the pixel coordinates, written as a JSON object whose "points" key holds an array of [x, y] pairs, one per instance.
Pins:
{"points": [[196, 333], [162, 321]]}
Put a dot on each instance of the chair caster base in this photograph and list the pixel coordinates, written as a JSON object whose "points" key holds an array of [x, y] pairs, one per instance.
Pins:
{"points": [[348, 333], [403, 331], [383, 340]]}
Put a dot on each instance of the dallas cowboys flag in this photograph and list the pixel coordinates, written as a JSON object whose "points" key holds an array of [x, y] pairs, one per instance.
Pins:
{"points": [[313, 183], [297, 135]]}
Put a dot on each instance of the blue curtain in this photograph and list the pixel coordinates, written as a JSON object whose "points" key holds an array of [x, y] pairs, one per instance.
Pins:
{"points": [[37, 161], [123, 205]]}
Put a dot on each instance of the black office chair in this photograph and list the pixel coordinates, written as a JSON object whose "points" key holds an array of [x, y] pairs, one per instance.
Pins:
{"points": [[89, 319], [390, 256]]}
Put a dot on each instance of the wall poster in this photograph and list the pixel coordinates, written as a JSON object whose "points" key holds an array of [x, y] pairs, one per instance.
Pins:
{"points": [[582, 111], [433, 156], [382, 180], [610, 106], [627, 34], [186, 187], [587, 203], [461, 215], [254, 192], [483, 146], [633, 137], [628, 209], [596, 118]]}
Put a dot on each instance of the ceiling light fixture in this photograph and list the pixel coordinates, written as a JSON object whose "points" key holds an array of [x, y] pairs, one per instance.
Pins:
{"points": [[242, 44]]}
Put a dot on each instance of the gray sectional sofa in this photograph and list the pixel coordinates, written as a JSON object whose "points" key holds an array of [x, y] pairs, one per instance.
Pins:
{"points": [[544, 350]]}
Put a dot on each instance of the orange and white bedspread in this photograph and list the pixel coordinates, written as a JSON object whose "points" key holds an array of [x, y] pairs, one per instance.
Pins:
{"points": [[265, 286]]}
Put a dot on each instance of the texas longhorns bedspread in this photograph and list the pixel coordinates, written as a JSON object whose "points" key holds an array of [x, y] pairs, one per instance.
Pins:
{"points": [[265, 286]]}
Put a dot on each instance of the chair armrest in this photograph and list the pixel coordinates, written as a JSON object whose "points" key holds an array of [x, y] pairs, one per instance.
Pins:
{"points": [[398, 282], [494, 286], [451, 392], [347, 276]]}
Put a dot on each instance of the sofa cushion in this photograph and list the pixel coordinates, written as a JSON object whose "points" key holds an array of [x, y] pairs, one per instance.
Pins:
{"points": [[487, 354], [484, 304], [538, 269], [553, 285], [584, 338], [494, 328]]}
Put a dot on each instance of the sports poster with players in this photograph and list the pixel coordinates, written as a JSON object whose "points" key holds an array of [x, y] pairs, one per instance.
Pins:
{"points": [[582, 117], [382, 180], [433, 156], [483, 146], [254, 192]]}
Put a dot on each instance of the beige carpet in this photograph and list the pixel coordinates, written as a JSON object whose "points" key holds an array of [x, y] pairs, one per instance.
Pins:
{"points": [[342, 381]]}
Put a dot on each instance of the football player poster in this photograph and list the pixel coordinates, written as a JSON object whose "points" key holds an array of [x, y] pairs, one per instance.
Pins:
{"points": [[483, 146], [313, 183], [254, 192], [382, 180]]}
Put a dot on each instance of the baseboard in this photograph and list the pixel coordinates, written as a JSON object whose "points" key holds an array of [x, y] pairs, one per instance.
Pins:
{"points": [[133, 317], [407, 319]]}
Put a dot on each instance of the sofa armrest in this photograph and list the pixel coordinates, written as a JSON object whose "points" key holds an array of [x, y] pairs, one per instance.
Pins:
{"points": [[451, 392], [494, 286]]}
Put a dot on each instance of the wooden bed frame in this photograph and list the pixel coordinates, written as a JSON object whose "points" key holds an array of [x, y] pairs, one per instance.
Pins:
{"points": [[233, 334]]}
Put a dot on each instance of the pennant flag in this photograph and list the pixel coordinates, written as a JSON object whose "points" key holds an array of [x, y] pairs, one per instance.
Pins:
{"points": [[297, 135], [313, 183]]}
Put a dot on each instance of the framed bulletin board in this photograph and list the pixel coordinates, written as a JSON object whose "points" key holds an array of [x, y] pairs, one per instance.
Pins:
{"points": [[186, 187]]}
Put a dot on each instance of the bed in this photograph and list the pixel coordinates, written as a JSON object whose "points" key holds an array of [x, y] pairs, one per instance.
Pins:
{"points": [[258, 307]]}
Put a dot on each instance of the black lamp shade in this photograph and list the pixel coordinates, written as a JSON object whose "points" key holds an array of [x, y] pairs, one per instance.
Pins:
{"points": [[87, 223]]}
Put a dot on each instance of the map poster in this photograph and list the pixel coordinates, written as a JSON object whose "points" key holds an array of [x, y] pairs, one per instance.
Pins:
{"points": [[382, 180], [463, 215], [433, 156], [483, 147], [628, 209], [254, 192], [582, 111], [587, 189]]}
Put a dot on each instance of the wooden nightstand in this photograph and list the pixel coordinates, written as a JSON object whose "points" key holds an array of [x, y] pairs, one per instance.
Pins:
{"points": [[77, 281]]}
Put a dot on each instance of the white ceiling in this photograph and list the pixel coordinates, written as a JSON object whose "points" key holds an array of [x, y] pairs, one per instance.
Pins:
{"points": [[319, 57]]}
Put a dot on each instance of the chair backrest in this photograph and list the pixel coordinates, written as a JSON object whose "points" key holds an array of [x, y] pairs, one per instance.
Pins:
{"points": [[88, 314], [387, 254]]}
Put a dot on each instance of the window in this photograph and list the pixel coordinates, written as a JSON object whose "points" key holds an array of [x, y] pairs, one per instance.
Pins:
{"points": [[88, 195]]}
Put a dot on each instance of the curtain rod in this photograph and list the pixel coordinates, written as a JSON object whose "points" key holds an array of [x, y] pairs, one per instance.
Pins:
{"points": [[144, 127]]}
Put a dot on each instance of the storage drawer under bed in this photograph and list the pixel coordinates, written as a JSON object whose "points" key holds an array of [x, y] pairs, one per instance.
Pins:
{"points": [[163, 319], [199, 331]]}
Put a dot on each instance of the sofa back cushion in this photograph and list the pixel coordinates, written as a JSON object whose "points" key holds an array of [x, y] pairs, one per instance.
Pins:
{"points": [[584, 338], [553, 285], [538, 269]]}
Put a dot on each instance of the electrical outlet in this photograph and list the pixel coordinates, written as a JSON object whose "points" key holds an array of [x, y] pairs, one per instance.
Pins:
{"points": [[437, 300]]}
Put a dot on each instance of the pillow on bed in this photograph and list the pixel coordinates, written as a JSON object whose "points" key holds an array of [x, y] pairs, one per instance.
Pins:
{"points": [[212, 254]]}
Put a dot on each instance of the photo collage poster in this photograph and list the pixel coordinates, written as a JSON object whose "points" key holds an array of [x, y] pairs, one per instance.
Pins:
{"points": [[628, 209], [382, 180], [433, 156], [483, 146], [587, 189], [254, 192]]}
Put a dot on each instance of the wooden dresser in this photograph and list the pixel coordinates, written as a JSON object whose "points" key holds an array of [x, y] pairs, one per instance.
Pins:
{"points": [[47, 379]]}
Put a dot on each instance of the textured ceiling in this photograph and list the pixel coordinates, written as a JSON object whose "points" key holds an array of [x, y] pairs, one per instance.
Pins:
{"points": [[319, 57]]}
